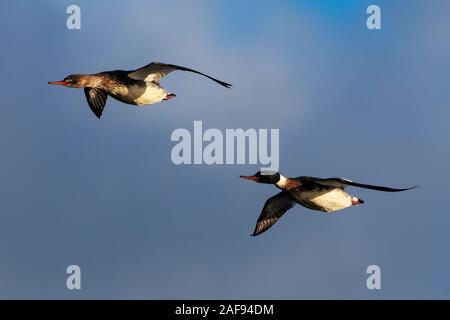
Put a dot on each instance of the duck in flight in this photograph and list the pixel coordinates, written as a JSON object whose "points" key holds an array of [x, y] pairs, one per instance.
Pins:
{"points": [[327, 195], [137, 87]]}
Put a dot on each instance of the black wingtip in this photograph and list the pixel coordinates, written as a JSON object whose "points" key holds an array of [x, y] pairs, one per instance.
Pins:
{"points": [[405, 189], [410, 188], [226, 85]]}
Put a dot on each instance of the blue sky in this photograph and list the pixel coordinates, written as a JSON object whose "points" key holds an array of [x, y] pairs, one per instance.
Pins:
{"points": [[371, 106]]}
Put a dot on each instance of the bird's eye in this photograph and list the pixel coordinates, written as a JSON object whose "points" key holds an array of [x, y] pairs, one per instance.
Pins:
{"points": [[68, 80]]}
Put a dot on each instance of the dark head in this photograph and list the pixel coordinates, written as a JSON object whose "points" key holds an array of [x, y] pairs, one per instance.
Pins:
{"points": [[72, 81], [264, 177]]}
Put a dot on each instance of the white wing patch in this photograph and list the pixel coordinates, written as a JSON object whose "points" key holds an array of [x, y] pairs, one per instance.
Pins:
{"points": [[155, 71], [152, 72]]}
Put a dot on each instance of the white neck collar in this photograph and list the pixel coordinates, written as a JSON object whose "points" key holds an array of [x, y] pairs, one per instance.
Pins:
{"points": [[282, 182]]}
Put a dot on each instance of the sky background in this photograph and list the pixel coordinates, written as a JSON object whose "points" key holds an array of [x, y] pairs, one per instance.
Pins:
{"points": [[371, 106]]}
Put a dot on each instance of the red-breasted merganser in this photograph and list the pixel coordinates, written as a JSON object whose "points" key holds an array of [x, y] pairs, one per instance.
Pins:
{"points": [[327, 195], [138, 87]]}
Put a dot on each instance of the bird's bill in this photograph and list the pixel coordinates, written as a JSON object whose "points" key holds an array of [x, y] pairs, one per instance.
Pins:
{"points": [[253, 178], [59, 83]]}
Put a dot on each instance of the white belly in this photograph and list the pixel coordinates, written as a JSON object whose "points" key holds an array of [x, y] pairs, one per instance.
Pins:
{"points": [[335, 199], [152, 94], [139, 94]]}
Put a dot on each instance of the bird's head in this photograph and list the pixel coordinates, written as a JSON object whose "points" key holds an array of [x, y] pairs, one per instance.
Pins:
{"points": [[72, 81], [268, 177]]}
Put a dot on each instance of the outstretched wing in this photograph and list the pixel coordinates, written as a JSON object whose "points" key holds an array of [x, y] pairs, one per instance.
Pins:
{"points": [[155, 71], [273, 209], [96, 99], [342, 183]]}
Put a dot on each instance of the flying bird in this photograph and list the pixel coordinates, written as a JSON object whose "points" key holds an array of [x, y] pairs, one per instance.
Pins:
{"points": [[137, 87], [327, 195]]}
